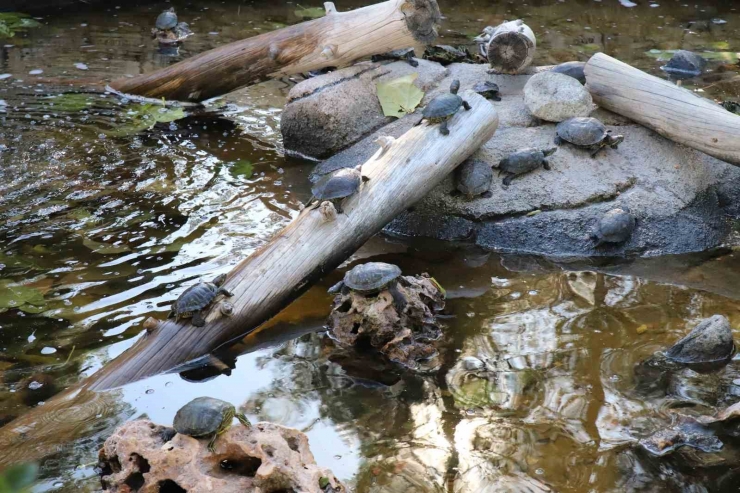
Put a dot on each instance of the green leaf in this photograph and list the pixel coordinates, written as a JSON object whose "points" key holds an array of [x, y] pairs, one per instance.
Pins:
{"points": [[31, 309], [309, 12], [399, 96], [71, 102], [104, 248], [323, 482], [241, 168], [19, 477], [720, 56], [11, 22], [17, 295], [145, 116]]}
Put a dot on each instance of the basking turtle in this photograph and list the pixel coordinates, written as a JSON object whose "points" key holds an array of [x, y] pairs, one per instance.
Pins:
{"points": [[572, 69], [473, 178], [731, 106], [166, 20], [445, 54], [440, 109], [488, 90], [615, 226], [338, 185], [206, 417], [371, 278], [197, 298], [586, 132], [406, 54], [523, 161]]}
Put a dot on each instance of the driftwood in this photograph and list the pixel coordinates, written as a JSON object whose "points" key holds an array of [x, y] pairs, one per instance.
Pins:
{"points": [[673, 112], [511, 48], [334, 40]]}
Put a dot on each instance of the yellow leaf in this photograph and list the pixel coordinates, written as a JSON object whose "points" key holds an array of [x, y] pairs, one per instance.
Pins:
{"points": [[641, 329], [399, 96]]}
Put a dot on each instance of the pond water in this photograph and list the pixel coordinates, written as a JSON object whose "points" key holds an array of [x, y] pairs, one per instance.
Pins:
{"points": [[110, 208]]}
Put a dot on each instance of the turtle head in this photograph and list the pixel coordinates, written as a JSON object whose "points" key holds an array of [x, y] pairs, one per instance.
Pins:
{"points": [[550, 151], [455, 86], [614, 140], [220, 280]]}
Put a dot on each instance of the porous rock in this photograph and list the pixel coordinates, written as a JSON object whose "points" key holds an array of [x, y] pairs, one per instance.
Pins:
{"points": [[146, 457], [555, 97]]}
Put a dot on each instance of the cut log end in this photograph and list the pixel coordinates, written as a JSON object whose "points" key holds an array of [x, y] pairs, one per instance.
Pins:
{"points": [[422, 19], [511, 48]]}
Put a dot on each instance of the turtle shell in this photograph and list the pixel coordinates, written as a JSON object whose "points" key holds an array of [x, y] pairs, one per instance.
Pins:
{"points": [[522, 161], [486, 89], [443, 106], [166, 20], [474, 177], [202, 416], [195, 298], [339, 184], [371, 277], [581, 131], [615, 226], [572, 69]]}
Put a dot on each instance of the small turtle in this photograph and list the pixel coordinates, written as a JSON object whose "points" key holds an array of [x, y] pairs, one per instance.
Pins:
{"points": [[197, 298], [338, 185], [206, 417], [371, 278], [586, 132], [406, 54], [474, 178], [731, 106], [572, 69], [684, 64], [523, 161], [166, 20], [445, 54], [440, 109], [615, 226], [488, 90]]}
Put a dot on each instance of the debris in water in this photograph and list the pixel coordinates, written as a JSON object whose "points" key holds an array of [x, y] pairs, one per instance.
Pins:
{"points": [[80, 66], [36, 71]]}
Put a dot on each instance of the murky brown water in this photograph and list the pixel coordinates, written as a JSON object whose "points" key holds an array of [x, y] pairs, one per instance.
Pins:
{"points": [[104, 221]]}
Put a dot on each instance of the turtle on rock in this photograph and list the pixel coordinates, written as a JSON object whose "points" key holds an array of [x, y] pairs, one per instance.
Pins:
{"points": [[406, 54], [195, 299], [371, 278], [337, 186], [586, 132], [616, 226], [523, 161], [446, 54], [206, 417], [473, 178], [488, 90], [443, 107]]}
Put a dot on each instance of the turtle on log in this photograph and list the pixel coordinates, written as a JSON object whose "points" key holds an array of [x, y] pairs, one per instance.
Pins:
{"points": [[337, 186], [195, 299], [443, 107]]}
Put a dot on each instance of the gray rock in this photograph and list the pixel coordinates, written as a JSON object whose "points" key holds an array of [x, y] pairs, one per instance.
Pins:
{"points": [[555, 97], [709, 342]]}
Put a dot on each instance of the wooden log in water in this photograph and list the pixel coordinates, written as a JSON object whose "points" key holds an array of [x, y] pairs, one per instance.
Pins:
{"points": [[335, 40], [309, 247], [511, 48], [675, 113]]}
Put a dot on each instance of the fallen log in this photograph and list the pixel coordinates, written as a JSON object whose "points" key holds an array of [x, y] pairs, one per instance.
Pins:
{"points": [[673, 112], [511, 48], [335, 40], [310, 246]]}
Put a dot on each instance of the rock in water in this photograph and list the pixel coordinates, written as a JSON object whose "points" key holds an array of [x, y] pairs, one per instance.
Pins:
{"points": [[709, 342], [556, 97], [685, 65]]}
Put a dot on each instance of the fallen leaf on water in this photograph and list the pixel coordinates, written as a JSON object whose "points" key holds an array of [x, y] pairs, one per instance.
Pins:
{"points": [[241, 168], [399, 96], [641, 329], [104, 248]]}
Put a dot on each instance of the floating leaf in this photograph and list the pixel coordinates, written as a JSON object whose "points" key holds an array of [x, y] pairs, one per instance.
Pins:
{"points": [[399, 96], [18, 478], [309, 12], [71, 102], [241, 168], [720, 56], [32, 309], [12, 22], [17, 295], [641, 329], [145, 116], [105, 248]]}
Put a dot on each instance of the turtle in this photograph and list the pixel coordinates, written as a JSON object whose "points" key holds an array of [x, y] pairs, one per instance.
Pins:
{"points": [[615, 226], [445, 54], [440, 109], [731, 106], [167, 20], [206, 417], [488, 90], [194, 300], [684, 64], [406, 54], [473, 178], [523, 161], [371, 278], [572, 69], [338, 185], [586, 132]]}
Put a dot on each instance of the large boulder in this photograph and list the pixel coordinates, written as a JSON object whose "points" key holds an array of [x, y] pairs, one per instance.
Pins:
{"points": [[555, 97]]}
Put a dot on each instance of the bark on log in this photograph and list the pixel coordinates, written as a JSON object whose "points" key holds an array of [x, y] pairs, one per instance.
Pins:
{"points": [[511, 48], [334, 40], [675, 113], [309, 247]]}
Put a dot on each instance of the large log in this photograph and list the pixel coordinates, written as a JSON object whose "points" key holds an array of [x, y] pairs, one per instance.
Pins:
{"points": [[511, 48], [334, 40], [309, 247], [672, 111]]}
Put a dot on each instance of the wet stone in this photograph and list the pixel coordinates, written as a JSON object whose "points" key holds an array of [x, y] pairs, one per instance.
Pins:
{"points": [[684, 432], [709, 342]]}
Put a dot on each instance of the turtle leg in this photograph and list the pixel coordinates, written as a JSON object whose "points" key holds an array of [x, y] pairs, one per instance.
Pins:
{"points": [[399, 300], [337, 288], [595, 151], [466, 106], [225, 425], [508, 178], [443, 128], [487, 194], [495, 97], [558, 141], [198, 319], [225, 292], [410, 59], [546, 164], [243, 420], [338, 206]]}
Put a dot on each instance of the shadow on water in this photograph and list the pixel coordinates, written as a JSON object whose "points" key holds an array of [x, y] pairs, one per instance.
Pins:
{"points": [[110, 208]]}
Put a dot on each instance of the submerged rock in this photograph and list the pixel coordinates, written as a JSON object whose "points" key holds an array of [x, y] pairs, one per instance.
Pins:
{"points": [[685, 431], [145, 457], [555, 97], [709, 342]]}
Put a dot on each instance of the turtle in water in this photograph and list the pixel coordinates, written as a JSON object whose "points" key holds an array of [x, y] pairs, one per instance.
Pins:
{"points": [[168, 31], [440, 109], [166, 20], [474, 178], [195, 299], [371, 278], [338, 185], [615, 226], [445, 54], [523, 161], [572, 69], [488, 90], [586, 132], [206, 417], [406, 54]]}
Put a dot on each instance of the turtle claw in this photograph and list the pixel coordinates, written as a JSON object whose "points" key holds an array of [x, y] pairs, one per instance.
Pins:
{"points": [[546, 165], [443, 128], [507, 180], [467, 106]]}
